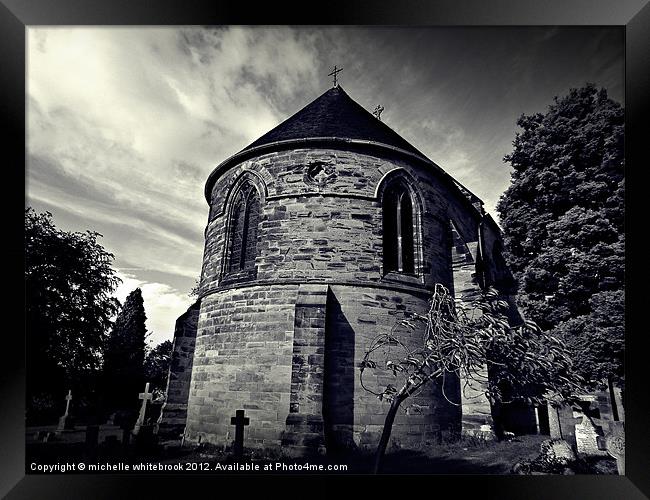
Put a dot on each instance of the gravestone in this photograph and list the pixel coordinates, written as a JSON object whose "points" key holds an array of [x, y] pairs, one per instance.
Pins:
{"points": [[555, 429], [66, 422], [144, 396], [615, 444], [239, 421], [587, 435]]}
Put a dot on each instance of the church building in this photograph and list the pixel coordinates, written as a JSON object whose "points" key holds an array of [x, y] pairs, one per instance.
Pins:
{"points": [[321, 235]]}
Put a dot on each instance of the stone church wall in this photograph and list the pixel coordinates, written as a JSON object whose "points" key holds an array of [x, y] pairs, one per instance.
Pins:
{"points": [[243, 361], [174, 411], [321, 223]]}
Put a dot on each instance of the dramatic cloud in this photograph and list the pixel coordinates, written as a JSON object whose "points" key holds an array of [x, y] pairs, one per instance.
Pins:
{"points": [[125, 124], [161, 302]]}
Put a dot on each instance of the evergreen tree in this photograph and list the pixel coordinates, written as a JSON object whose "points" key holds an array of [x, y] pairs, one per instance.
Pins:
{"points": [[156, 367], [562, 218], [124, 358]]}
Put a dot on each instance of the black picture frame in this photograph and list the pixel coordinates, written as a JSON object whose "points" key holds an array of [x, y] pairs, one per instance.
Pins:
{"points": [[17, 15]]}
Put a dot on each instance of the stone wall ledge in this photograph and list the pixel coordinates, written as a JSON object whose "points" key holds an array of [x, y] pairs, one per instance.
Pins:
{"points": [[383, 284]]}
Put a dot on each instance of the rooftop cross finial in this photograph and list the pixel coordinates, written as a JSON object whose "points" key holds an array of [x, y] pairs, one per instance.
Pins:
{"points": [[334, 72], [377, 111]]}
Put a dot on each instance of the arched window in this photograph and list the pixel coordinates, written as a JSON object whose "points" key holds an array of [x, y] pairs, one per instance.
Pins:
{"points": [[399, 248], [245, 217]]}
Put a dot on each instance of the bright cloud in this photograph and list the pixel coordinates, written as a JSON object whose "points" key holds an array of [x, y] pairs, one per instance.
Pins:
{"points": [[162, 304]]}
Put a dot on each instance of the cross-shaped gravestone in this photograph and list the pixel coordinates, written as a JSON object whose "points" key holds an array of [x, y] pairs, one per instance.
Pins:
{"points": [[144, 396], [65, 421], [335, 72], [68, 398], [239, 421]]}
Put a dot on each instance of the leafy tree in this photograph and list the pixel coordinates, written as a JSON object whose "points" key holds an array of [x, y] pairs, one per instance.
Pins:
{"points": [[69, 283], [124, 358], [156, 367], [525, 363], [562, 218]]}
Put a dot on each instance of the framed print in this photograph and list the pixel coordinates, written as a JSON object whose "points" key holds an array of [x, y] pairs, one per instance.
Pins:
{"points": [[370, 242]]}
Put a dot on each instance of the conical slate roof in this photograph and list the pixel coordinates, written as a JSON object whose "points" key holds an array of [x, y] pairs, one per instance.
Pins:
{"points": [[334, 114]]}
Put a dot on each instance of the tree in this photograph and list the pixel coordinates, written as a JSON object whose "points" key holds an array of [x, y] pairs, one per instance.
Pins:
{"points": [[562, 219], [69, 283], [156, 367], [124, 359], [194, 291], [524, 363]]}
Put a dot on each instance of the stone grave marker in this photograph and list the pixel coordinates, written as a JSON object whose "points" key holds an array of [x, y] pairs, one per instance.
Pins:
{"points": [[615, 444], [144, 396], [66, 422], [239, 421], [587, 438], [555, 429]]}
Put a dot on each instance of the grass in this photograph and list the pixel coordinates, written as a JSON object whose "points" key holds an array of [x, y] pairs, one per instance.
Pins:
{"points": [[462, 456], [449, 456]]}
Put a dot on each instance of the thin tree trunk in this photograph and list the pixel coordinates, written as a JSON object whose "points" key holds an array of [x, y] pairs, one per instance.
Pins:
{"points": [[385, 435]]}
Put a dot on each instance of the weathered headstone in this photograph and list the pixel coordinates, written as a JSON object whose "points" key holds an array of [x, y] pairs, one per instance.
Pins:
{"points": [[144, 396], [555, 429], [618, 403], [587, 438], [66, 422], [239, 421], [615, 444]]}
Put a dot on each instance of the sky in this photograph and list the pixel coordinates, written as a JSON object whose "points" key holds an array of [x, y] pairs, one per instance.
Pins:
{"points": [[124, 124]]}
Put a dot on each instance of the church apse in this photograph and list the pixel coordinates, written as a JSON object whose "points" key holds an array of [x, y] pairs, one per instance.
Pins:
{"points": [[340, 227]]}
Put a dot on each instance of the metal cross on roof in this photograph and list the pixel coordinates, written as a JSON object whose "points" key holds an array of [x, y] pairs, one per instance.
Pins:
{"points": [[377, 111], [335, 72]]}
